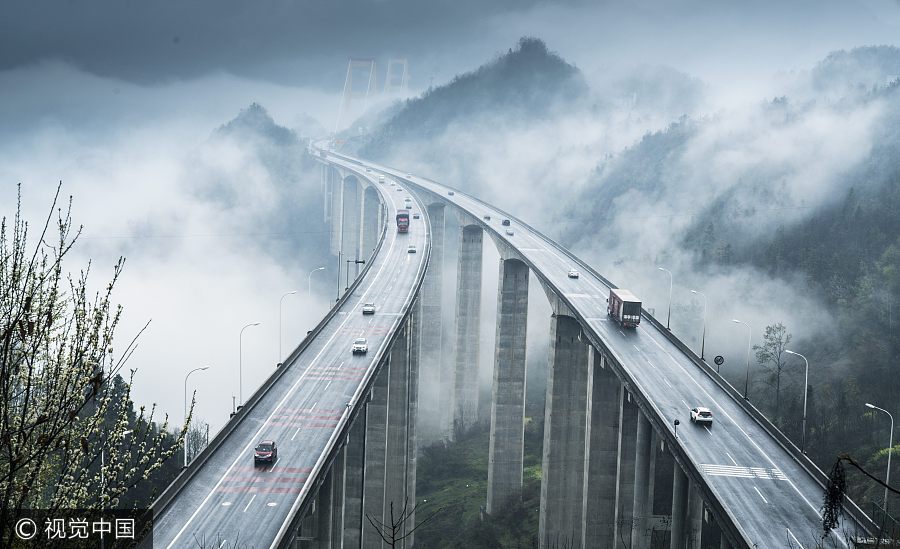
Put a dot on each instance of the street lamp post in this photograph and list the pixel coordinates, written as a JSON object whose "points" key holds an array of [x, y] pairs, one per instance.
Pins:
{"points": [[703, 337], [805, 392], [309, 281], [241, 362], [338, 298], [749, 344], [280, 303], [349, 261], [186, 408], [669, 315], [887, 476]]}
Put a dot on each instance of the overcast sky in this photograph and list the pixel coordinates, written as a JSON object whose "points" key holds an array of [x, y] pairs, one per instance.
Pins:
{"points": [[307, 42]]}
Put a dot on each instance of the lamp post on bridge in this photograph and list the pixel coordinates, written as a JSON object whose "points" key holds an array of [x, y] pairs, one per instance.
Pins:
{"points": [[669, 315], [186, 425], [280, 303], [887, 476], [805, 393], [241, 363], [703, 337], [749, 345], [349, 261], [309, 281]]}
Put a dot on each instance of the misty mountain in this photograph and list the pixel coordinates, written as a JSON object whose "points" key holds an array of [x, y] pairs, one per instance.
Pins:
{"points": [[526, 83], [860, 69], [260, 174]]}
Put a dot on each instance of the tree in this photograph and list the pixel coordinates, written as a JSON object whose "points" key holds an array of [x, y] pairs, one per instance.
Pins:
{"points": [[769, 355], [397, 529], [197, 438], [64, 408]]}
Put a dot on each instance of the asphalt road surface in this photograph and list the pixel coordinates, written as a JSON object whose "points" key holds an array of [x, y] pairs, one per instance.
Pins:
{"points": [[229, 500]]}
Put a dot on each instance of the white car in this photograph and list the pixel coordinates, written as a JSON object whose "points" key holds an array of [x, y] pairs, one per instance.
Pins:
{"points": [[509, 232], [360, 346], [415, 216], [701, 415], [368, 309], [574, 274], [411, 249], [408, 176], [381, 178]]}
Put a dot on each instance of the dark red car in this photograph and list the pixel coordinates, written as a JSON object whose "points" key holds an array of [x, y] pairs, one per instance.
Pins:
{"points": [[266, 452]]}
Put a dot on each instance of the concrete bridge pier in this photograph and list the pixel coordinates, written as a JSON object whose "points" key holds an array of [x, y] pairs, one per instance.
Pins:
{"points": [[679, 508], [565, 419], [370, 209], [338, 497], [601, 457], [641, 510], [350, 219], [354, 477], [430, 380], [415, 327], [396, 451], [334, 189], [375, 455], [468, 326], [695, 521], [507, 439], [627, 453]]}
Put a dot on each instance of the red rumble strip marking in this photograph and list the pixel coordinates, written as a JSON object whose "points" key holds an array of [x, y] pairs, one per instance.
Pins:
{"points": [[305, 424], [255, 490]]}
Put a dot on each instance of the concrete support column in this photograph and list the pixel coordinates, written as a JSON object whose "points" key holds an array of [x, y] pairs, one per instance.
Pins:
{"points": [[695, 510], [640, 533], [505, 454], [350, 225], [679, 508], [430, 413], [376, 446], [468, 328], [601, 457], [565, 420], [398, 413], [371, 208], [415, 327], [354, 481], [723, 541], [335, 205], [627, 446], [338, 495], [324, 510]]}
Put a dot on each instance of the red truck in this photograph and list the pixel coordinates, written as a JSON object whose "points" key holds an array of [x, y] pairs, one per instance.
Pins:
{"points": [[402, 221], [624, 308]]}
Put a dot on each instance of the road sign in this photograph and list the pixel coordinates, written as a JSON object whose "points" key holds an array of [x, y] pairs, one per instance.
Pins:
{"points": [[719, 360]]}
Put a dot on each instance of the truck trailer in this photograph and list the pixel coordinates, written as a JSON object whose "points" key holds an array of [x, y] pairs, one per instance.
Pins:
{"points": [[624, 307]]}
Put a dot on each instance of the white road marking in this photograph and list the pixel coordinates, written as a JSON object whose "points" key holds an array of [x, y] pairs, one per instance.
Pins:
{"points": [[271, 504], [248, 503], [793, 537], [667, 382], [288, 394], [296, 432], [719, 470], [731, 458], [224, 541], [760, 495], [621, 332], [226, 503]]}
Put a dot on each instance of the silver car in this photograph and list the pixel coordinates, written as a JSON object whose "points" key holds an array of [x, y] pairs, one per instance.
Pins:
{"points": [[360, 346]]}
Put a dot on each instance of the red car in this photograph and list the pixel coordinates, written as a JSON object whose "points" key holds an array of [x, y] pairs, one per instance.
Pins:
{"points": [[266, 452]]}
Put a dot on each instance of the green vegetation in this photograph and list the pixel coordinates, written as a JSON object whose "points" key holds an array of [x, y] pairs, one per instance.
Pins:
{"points": [[453, 478]]}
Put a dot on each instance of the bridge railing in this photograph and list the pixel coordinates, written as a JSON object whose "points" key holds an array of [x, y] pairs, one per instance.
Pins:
{"points": [[284, 538], [850, 507], [164, 499]]}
